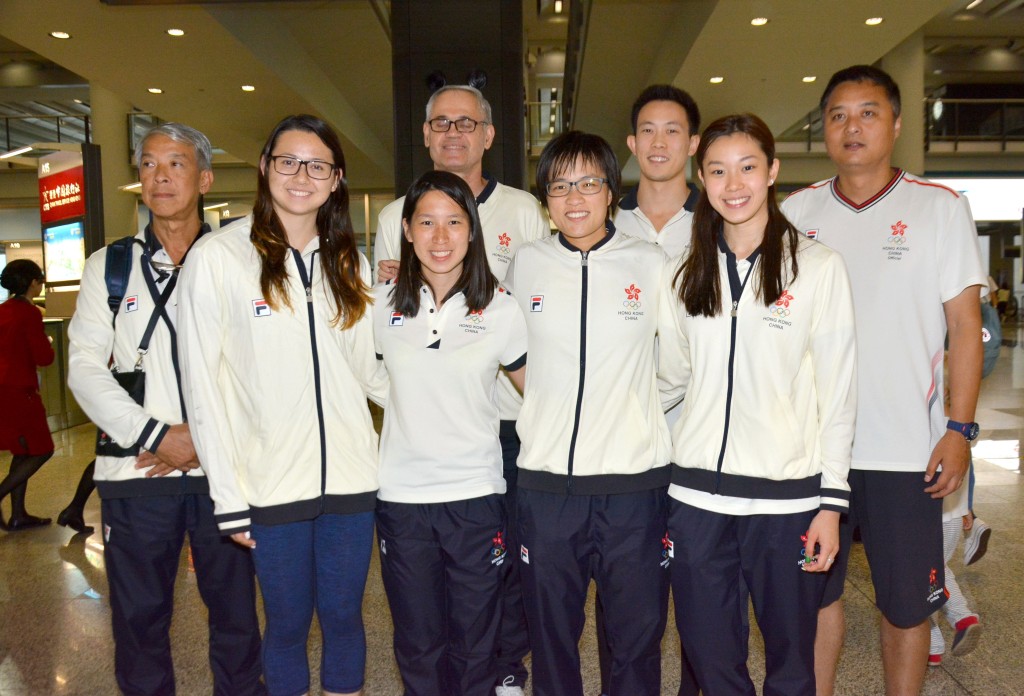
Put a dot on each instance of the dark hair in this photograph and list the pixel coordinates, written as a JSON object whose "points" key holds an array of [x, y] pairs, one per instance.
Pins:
{"points": [[672, 94], [863, 73], [18, 276], [561, 154], [697, 281], [476, 280], [338, 252]]}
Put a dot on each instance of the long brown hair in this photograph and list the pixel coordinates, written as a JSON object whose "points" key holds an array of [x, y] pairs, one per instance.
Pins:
{"points": [[697, 281], [338, 251]]}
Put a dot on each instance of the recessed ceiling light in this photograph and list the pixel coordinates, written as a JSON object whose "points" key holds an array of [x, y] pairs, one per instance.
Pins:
{"points": [[874, 21], [176, 32], [809, 78], [973, 4], [78, 101], [759, 21], [558, 6], [716, 80], [248, 88], [155, 90], [60, 35]]}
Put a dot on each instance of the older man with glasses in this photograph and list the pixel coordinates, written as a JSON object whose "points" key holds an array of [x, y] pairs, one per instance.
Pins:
{"points": [[457, 130]]}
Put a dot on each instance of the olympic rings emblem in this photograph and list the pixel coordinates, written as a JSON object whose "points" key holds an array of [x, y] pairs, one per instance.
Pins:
{"points": [[780, 311], [897, 240], [632, 304]]}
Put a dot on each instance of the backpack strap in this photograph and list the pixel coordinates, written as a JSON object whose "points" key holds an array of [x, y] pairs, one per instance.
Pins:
{"points": [[118, 268]]}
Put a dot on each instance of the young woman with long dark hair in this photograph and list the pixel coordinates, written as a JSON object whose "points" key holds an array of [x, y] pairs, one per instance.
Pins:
{"points": [[763, 348], [276, 335], [443, 329]]}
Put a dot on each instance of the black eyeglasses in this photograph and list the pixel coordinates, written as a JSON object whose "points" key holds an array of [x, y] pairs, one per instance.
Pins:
{"points": [[289, 166], [587, 186], [462, 125]]}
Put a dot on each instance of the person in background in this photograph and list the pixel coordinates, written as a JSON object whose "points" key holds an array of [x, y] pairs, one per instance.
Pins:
{"points": [[24, 346]]}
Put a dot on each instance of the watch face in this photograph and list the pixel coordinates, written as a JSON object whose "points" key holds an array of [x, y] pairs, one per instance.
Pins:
{"points": [[972, 431]]}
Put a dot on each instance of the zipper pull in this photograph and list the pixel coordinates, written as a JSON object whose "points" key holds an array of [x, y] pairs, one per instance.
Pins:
{"points": [[584, 254], [309, 295], [735, 304]]}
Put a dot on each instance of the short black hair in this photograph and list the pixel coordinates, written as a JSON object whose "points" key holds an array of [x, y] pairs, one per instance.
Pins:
{"points": [[672, 94], [864, 73], [18, 276], [563, 151], [476, 281]]}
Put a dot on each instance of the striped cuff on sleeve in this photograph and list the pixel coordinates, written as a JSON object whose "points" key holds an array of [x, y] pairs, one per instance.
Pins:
{"points": [[152, 435]]}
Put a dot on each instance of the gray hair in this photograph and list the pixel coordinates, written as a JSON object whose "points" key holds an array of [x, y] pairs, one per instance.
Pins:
{"points": [[180, 133], [481, 101]]}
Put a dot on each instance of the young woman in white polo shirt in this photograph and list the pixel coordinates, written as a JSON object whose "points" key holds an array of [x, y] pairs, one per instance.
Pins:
{"points": [[275, 328], [763, 347], [443, 329]]}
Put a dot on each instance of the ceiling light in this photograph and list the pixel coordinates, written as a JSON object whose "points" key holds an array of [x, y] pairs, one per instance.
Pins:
{"points": [[218, 205], [78, 101], [15, 153], [809, 78], [558, 6], [131, 187], [759, 21], [248, 88], [176, 32], [155, 90], [60, 35], [973, 4], [716, 80], [873, 21]]}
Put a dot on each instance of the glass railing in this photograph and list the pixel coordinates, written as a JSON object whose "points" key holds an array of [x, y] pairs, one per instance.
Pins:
{"points": [[22, 131], [951, 125]]}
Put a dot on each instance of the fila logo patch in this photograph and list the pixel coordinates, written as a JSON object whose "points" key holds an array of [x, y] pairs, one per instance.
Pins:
{"points": [[537, 303], [131, 303], [396, 319], [260, 308], [812, 234], [524, 554]]}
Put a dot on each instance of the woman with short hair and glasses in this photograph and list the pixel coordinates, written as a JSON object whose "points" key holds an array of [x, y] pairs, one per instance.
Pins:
{"points": [[594, 462], [23, 428], [276, 333]]}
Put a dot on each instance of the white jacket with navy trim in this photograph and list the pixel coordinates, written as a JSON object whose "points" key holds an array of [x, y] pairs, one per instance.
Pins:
{"points": [[276, 398], [770, 396], [591, 421]]}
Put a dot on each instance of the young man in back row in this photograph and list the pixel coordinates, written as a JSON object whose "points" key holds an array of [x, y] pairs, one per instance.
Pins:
{"points": [[911, 250]]}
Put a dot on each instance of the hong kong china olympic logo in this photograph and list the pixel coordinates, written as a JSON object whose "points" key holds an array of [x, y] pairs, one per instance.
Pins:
{"points": [[476, 316], [504, 243], [898, 233], [781, 306], [632, 300]]}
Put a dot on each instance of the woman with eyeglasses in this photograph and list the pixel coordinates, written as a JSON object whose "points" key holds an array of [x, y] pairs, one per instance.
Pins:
{"points": [[762, 344], [594, 463], [276, 334], [444, 328], [23, 428]]}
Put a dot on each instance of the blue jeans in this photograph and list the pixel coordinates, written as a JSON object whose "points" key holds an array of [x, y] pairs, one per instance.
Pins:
{"points": [[321, 562]]}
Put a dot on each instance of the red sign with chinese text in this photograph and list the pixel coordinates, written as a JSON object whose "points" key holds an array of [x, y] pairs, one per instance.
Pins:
{"points": [[62, 195]]}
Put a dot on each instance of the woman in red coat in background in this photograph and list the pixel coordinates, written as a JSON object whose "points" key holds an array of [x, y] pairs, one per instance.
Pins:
{"points": [[23, 428]]}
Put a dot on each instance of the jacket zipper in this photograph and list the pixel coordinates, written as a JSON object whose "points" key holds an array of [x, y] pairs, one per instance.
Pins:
{"points": [[736, 289], [583, 372], [307, 284]]}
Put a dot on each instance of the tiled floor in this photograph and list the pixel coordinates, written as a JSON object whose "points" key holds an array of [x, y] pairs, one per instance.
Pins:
{"points": [[54, 615]]}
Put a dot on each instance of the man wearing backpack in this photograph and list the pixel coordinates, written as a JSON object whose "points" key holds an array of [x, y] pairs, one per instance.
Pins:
{"points": [[123, 370]]}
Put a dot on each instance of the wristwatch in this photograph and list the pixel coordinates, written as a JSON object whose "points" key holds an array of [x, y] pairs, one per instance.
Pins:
{"points": [[968, 430]]}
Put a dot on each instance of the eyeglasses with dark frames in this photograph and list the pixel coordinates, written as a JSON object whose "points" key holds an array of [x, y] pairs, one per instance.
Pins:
{"points": [[462, 125], [289, 166], [588, 186]]}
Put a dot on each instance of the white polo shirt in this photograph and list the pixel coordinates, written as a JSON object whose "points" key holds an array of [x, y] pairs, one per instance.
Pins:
{"points": [[673, 237], [509, 218], [908, 249], [440, 437]]}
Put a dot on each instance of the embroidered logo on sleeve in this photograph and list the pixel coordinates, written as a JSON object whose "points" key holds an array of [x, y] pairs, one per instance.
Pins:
{"points": [[396, 319], [260, 308]]}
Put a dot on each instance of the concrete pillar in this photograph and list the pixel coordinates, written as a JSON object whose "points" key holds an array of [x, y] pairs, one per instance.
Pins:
{"points": [[906, 65], [110, 132]]}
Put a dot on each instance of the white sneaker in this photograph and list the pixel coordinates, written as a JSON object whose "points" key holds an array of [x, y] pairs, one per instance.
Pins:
{"points": [[976, 542], [506, 688]]}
